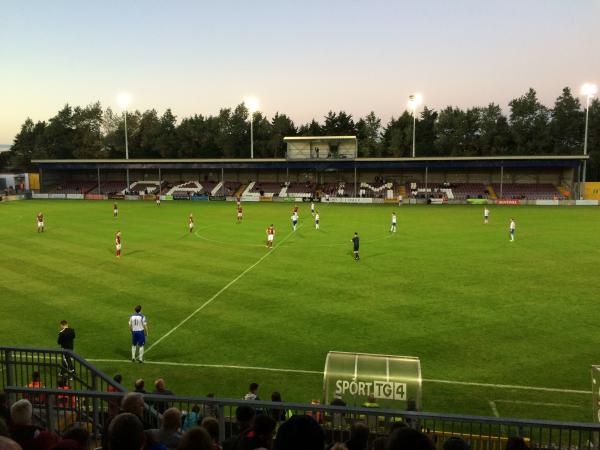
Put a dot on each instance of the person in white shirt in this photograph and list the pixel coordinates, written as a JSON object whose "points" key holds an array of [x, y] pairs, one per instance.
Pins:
{"points": [[393, 228], [294, 220], [486, 215], [312, 208], [317, 217], [139, 331], [512, 227]]}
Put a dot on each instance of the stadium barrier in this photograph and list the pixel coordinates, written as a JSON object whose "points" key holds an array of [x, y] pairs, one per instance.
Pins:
{"points": [[93, 398], [586, 202], [75, 196], [130, 197], [199, 198], [37, 195], [57, 196], [95, 197]]}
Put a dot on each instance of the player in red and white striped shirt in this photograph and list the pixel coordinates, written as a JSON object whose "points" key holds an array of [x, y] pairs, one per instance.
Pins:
{"points": [[118, 243], [270, 236]]}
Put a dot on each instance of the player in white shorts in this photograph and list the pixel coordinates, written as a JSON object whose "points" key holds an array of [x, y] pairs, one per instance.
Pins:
{"points": [[158, 200], [312, 208], [191, 223], [40, 223], [393, 228], [270, 236], [512, 227], [317, 217], [486, 215], [294, 220]]}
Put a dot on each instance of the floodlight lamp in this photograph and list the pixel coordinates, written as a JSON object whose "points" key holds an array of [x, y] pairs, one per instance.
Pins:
{"points": [[252, 104], [415, 100], [123, 100], [589, 89]]}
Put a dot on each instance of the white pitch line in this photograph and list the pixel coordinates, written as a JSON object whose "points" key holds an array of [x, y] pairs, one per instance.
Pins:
{"points": [[223, 289], [524, 402], [494, 408], [319, 372]]}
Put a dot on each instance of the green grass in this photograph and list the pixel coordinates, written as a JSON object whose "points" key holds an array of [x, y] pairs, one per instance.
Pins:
{"points": [[473, 306]]}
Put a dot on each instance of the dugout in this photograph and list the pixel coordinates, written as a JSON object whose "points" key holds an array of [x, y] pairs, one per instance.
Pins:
{"points": [[559, 170]]}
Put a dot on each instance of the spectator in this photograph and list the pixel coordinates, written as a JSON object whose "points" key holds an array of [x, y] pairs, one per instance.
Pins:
{"points": [[126, 432], [337, 401], [260, 435], [139, 386], [159, 389], [277, 414], [66, 336], [78, 434], [113, 403], [196, 438], [191, 418], [300, 433], [456, 443], [8, 444], [62, 400], [244, 416], [210, 409], [252, 392], [379, 443], [516, 443], [211, 425], [4, 409], [35, 384], [359, 437], [24, 432], [168, 433], [409, 439], [371, 402], [339, 446], [133, 402]]}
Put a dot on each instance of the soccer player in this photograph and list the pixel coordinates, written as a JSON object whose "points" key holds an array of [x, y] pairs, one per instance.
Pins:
{"points": [[512, 227], [270, 236], [115, 210], [355, 244], [486, 215], [158, 200], [312, 208], [240, 214], [139, 331], [296, 210], [294, 220], [118, 243], [317, 220], [40, 222], [393, 228], [66, 336], [238, 202], [191, 223]]}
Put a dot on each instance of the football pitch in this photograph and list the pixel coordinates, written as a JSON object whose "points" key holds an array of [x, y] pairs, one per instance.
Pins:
{"points": [[501, 328]]}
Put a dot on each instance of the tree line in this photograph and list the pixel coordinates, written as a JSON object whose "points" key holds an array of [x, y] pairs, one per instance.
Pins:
{"points": [[529, 128]]}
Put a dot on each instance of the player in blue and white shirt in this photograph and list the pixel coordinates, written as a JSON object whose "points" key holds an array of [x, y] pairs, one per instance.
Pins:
{"points": [[486, 215], [393, 228], [294, 220], [317, 217], [139, 330]]}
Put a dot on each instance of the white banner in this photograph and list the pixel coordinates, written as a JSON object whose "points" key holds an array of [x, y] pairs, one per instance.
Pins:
{"points": [[250, 198], [75, 197], [57, 196], [546, 202], [36, 195], [586, 202], [349, 200]]}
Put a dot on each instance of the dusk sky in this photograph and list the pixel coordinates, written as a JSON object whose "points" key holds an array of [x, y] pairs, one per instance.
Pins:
{"points": [[303, 58]]}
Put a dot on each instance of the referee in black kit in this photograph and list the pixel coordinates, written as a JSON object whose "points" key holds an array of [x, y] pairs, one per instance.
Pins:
{"points": [[66, 338], [355, 245]]}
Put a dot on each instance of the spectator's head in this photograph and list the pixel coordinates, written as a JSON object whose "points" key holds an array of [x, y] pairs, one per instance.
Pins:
{"points": [[139, 384], [409, 439], [456, 443], [371, 398], [196, 409], [118, 378], [244, 416], [516, 443], [379, 443], [210, 395], [159, 385], [171, 419], [21, 412], [262, 431], [35, 375], [138, 308], [133, 402], [8, 444], [253, 388], [64, 324], [126, 432], [211, 425], [196, 438], [359, 435], [276, 397], [79, 434], [300, 433]]}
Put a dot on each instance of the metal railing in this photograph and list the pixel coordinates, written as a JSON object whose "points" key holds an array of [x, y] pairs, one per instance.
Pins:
{"points": [[90, 403]]}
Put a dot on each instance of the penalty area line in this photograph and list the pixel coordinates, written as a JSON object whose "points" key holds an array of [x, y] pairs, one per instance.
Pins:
{"points": [[223, 289], [319, 372]]}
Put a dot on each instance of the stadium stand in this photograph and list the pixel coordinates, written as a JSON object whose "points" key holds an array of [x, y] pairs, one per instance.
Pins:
{"points": [[144, 187], [529, 191], [185, 189], [73, 187], [296, 189], [378, 189], [110, 187], [264, 189]]}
